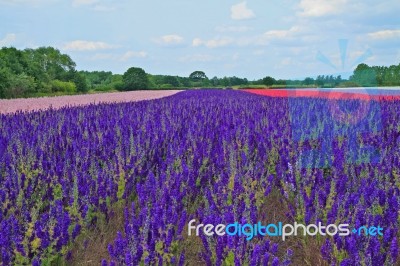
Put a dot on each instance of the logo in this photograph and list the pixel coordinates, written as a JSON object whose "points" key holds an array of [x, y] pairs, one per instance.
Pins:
{"points": [[337, 115], [249, 231]]}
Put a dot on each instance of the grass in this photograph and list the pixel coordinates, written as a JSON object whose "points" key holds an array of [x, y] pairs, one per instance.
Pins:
{"points": [[91, 246]]}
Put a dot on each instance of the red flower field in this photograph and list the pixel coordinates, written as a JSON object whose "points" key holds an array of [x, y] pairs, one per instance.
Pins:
{"points": [[314, 93]]}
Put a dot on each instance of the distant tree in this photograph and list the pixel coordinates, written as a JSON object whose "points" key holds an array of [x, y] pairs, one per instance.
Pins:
{"points": [[268, 81], [5, 77], [184, 81], [98, 79], [281, 82], [225, 81], [214, 81], [50, 61], [197, 76], [320, 81], [135, 78], [364, 75], [14, 60], [338, 80], [308, 81], [172, 80], [19, 86], [80, 82]]}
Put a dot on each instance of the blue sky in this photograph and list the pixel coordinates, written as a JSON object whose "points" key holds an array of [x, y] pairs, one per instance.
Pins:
{"points": [[254, 38]]}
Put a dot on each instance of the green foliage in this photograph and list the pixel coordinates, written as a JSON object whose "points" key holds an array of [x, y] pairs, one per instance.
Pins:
{"points": [[135, 79], [229, 259], [14, 60], [102, 80], [63, 86], [171, 80], [80, 82], [166, 86], [166, 82], [228, 81], [369, 76], [5, 76], [19, 85], [121, 186], [43, 70], [197, 76], [308, 81], [48, 63], [268, 81], [364, 76]]}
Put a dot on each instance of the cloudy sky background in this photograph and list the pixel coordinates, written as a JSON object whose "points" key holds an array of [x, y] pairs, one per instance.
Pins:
{"points": [[254, 38]]}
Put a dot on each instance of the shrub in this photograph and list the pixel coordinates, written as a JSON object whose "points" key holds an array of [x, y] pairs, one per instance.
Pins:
{"points": [[63, 86], [19, 86]]}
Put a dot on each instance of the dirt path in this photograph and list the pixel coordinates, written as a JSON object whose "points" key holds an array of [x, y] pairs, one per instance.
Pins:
{"points": [[30, 104]]}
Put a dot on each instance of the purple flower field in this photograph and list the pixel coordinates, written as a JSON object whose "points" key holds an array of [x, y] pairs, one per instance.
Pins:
{"points": [[217, 156]]}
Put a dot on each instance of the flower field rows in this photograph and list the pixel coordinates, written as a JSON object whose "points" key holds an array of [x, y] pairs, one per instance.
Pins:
{"points": [[377, 94], [214, 156], [35, 104]]}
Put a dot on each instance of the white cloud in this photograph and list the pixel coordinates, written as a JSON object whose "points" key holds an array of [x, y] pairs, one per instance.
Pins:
{"points": [[384, 34], [241, 11], [258, 52], [77, 3], [26, 2], [287, 62], [118, 57], [219, 42], [319, 8], [96, 5], [273, 34], [213, 43], [104, 8], [198, 58], [172, 39], [131, 54], [87, 46], [197, 42], [233, 29], [8, 40], [277, 34], [102, 56]]}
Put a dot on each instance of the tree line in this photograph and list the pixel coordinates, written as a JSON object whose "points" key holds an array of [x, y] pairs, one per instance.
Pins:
{"points": [[42, 70], [47, 71], [376, 75]]}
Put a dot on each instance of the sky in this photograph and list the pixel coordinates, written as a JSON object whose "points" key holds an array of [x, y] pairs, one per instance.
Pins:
{"points": [[253, 39]]}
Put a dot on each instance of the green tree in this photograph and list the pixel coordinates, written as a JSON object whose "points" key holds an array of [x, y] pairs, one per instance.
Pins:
{"points": [[364, 75], [51, 61], [19, 86], [268, 81], [135, 79], [171, 80], [308, 81], [80, 82], [197, 76], [320, 81], [214, 81], [14, 60], [63, 86], [184, 81], [5, 77]]}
